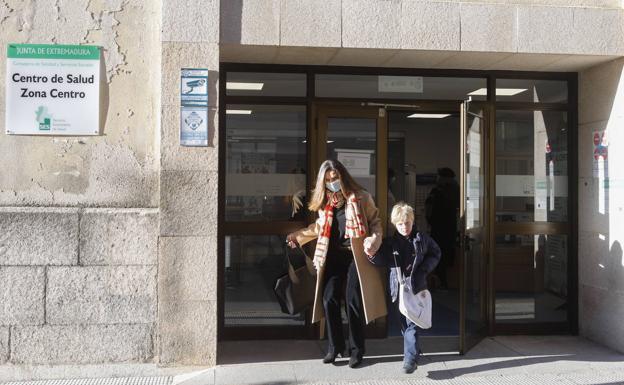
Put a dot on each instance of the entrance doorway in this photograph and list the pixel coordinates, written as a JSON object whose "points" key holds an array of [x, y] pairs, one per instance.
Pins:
{"points": [[421, 155], [513, 260]]}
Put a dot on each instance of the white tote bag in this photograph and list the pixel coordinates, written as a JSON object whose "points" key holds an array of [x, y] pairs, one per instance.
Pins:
{"points": [[416, 307]]}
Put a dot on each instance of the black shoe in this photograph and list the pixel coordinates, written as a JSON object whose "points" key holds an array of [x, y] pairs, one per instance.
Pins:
{"points": [[330, 357], [409, 368], [355, 360]]}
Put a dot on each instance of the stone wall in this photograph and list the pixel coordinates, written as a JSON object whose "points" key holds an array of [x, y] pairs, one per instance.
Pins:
{"points": [[601, 206], [77, 285], [187, 274], [78, 215], [492, 27], [120, 167]]}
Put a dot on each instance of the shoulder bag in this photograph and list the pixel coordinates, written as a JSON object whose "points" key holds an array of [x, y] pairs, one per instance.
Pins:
{"points": [[295, 289], [415, 307]]}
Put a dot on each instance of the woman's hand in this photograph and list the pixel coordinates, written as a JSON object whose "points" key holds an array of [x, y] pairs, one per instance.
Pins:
{"points": [[291, 240], [317, 263], [369, 246]]}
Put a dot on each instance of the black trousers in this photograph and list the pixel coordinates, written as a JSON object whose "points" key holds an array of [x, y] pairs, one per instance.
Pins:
{"points": [[340, 267]]}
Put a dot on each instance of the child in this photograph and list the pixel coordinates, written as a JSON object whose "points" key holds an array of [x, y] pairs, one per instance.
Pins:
{"points": [[417, 255]]}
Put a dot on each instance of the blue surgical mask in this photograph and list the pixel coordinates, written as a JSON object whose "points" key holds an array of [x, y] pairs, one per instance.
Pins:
{"points": [[333, 186]]}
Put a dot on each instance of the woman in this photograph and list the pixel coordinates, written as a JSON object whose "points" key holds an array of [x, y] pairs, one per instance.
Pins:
{"points": [[348, 229]]}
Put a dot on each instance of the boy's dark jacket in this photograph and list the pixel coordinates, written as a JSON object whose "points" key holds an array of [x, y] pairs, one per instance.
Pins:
{"points": [[419, 246]]}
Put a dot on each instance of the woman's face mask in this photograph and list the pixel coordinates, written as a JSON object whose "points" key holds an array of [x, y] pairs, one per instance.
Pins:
{"points": [[333, 186]]}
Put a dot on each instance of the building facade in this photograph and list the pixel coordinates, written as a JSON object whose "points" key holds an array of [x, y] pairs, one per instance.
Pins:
{"points": [[128, 247]]}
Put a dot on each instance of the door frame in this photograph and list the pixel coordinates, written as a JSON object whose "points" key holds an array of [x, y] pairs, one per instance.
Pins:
{"points": [[322, 110], [310, 100], [468, 341]]}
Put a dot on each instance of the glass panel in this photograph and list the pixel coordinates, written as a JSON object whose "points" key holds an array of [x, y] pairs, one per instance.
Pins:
{"points": [[475, 169], [353, 141], [474, 253], [531, 166], [531, 278], [252, 264], [400, 87], [530, 90], [265, 84], [265, 162], [417, 148]]}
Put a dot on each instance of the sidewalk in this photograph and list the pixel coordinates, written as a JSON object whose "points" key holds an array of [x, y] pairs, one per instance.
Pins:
{"points": [[500, 360]]}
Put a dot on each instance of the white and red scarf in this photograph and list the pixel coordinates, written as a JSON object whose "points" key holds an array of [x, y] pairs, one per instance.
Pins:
{"points": [[355, 223]]}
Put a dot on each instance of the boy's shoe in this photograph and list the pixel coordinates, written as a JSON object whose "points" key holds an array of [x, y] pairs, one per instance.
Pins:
{"points": [[409, 367]]}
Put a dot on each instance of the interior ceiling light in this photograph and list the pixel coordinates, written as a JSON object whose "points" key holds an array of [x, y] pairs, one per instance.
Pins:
{"points": [[428, 116], [499, 91], [244, 86], [238, 112]]}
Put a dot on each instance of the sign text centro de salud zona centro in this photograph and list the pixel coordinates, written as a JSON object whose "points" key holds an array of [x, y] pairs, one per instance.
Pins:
{"points": [[53, 89]]}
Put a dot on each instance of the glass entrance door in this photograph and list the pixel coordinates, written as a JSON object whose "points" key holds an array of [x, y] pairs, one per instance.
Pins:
{"points": [[473, 267], [357, 137]]}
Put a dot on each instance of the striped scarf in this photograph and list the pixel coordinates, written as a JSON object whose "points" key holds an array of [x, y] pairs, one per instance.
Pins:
{"points": [[354, 228]]}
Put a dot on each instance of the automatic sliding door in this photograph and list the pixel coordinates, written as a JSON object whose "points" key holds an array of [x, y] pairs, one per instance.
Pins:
{"points": [[357, 137]]}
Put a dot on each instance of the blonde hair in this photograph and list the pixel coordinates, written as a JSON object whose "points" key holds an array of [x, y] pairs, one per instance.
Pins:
{"points": [[402, 212], [349, 185]]}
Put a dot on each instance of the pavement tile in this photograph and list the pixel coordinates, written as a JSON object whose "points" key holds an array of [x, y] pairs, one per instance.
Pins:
{"points": [[256, 374]]}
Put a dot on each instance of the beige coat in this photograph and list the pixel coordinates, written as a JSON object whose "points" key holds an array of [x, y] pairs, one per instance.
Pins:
{"points": [[371, 277]]}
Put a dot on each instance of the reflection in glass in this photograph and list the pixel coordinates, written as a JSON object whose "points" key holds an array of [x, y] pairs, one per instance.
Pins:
{"points": [[531, 90], [475, 169], [265, 163], [353, 141], [531, 278], [531, 166], [265, 84], [252, 264], [474, 257], [400, 87]]}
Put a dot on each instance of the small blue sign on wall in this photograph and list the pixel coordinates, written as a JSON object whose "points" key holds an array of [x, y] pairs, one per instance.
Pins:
{"points": [[194, 107]]}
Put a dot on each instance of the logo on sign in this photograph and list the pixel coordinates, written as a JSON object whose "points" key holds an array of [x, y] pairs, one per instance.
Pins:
{"points": [[43, 118], [193, 120], [194, 84]]}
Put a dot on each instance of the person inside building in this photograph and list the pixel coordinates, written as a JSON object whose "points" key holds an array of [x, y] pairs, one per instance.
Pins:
{"points": [[347, 229], [416, 254], [441, 210]]}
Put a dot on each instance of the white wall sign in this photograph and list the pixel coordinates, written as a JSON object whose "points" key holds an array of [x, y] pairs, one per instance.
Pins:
{"points": [[194, 107], [52, 89], [407, 84], [357, 162]]}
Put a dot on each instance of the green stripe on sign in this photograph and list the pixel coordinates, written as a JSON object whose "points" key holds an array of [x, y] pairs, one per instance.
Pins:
{"points": [[53, 51]]}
